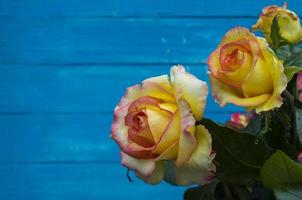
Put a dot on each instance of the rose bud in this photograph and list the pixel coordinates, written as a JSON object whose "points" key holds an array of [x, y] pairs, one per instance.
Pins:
{"points": [[154, 126], [288, 21], [245, 72], [238, 120]]}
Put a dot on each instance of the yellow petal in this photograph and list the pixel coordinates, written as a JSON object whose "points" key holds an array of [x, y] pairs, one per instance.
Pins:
{"points": [[236, 34], [170, 134], [169, 153], [191, 89], [158, 87], [259, 80], [158, 121], [187, 141], [199, 169], [224, 94], [279, 82], [156, 176]]}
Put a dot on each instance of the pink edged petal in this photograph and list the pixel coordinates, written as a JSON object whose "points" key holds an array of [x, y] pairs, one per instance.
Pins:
{"points": [[145, 167], [191, 89], [236, 34], [187, 141], [158, 87], [119, 131], [156, 176], [223, 94], [199, 169]]}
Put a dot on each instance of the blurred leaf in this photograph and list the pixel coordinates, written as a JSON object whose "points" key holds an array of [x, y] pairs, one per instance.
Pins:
{"points": [[255, 125], [289, 192], [299, 123], [279, 169], [291, 71], [238, 158], [201, 192]]}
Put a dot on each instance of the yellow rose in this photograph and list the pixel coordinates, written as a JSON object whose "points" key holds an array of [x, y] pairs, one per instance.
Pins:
{"points": [[154, 125], [245, 72], [288, 21]]}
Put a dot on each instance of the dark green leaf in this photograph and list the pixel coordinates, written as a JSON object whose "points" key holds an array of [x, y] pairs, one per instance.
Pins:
{"points": [[200, 192], [238, 158], [275, 33], [279, 169], [291, 71], [254, 125], [288, 192]]}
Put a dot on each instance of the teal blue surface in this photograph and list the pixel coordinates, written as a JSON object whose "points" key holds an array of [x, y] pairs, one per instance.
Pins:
{"points": [[65, 64]]}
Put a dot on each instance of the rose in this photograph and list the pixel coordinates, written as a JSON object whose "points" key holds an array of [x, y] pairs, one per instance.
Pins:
{"points": [[238, 120], [154, 125], [245, 72], [288, 21]]}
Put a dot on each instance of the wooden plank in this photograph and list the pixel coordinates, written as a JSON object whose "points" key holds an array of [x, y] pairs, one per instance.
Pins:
{"points": [[137, 8], [61, 138], [36, 88], [77, 182], [98, 41]]}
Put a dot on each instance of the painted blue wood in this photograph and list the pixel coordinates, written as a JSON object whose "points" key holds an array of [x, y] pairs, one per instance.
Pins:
{"points": [[61, 138], [65, 64], [78, 88], [77, 182], [137, 8], [98, 41]]}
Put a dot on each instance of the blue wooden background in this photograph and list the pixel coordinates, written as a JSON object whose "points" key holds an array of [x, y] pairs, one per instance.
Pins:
{"points": [[64, 66]]}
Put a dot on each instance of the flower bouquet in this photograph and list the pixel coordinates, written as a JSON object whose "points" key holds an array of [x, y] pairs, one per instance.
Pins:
{"points": [[160, 128]]}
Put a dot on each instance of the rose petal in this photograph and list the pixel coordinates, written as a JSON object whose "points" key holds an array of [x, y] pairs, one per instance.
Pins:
{"points": [[158, 87], [199, 169], [279, 80], [260, 74], [188, 87], [170, 135], [156, 176], [119, 131], [169, 153], [145, 167], [223, 94], [158, 121], [187, 141], [236, 34], [299, 81]]}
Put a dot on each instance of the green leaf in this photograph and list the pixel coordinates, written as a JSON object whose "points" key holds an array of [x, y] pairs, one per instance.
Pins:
{"points": [[288, 192], [291, 71], [275, 33], [201, 192], [279, 169], [238, 158]]}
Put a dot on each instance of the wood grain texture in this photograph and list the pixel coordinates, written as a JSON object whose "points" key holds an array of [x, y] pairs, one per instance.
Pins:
{"points": [[137, 8], [37, 89], [65, 64], [77, 182]]}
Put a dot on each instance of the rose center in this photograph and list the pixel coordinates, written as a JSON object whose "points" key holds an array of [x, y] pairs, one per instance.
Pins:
{"points": [[140, 121], [234, 60]]}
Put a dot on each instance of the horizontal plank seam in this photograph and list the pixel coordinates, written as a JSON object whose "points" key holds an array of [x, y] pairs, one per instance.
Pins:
{"points": [[67, 162], [129, 17], [98, 63], [89, 112]]}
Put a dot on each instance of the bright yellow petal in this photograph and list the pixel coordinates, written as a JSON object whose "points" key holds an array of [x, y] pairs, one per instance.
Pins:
{"points": [[279, 82], [187, 141], [259, 80], [158, 87], [158, 121], [170, 135], [199, 169], [225, 94], [169, 153], [191, 89]]}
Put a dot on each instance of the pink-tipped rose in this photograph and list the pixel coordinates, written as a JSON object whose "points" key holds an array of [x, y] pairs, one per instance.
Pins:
{"points": [[299, 85], [154, 125]]}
